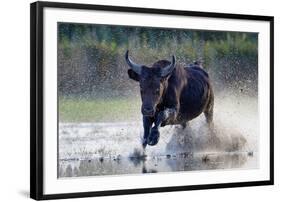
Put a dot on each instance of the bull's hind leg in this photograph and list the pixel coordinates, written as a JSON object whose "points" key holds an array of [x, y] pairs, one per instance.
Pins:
{"points": [[209, 111], [213, 141]]}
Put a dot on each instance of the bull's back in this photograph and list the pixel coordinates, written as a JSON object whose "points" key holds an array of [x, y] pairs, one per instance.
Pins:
{"points": [[195, 95]]}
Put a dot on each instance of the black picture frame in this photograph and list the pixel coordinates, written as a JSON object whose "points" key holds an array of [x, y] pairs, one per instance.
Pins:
{"points": [[36, 98]]}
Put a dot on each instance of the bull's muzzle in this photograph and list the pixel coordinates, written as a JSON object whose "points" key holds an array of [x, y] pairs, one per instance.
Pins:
{"points": [[147, 111]]}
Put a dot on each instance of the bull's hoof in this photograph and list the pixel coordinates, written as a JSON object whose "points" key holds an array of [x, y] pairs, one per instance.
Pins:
{"points": [[144, 143], [153, 137]]}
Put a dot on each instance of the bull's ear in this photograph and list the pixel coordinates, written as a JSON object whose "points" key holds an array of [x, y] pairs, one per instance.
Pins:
{"points": [[133, 75]]}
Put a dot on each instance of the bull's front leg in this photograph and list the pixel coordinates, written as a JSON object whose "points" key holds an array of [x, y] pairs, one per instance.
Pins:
{"points": [[163, 117], [147, 124]]}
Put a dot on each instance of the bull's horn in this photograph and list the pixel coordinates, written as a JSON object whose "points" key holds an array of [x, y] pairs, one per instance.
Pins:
{"points": [[135, 67], [169, 68]]}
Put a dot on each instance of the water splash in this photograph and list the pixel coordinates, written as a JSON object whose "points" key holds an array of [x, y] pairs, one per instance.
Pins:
{"points": [[235, 133]]}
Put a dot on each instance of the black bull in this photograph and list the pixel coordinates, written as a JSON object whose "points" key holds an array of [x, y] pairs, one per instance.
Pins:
{"points": [[171, 94]]}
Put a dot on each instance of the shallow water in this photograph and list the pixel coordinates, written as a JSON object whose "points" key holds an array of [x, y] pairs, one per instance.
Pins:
{"points": [[155, 164], [112, 148]]}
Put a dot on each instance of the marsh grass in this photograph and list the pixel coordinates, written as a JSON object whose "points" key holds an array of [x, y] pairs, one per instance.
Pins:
{"points": [[98, 110]]}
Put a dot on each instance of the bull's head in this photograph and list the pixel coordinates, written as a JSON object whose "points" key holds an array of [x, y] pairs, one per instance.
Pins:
{"points": [[153, 81]]}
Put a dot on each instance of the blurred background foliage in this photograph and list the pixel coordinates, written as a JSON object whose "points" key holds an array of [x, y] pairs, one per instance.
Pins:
{"points": [[92, 68], [91, 57]]}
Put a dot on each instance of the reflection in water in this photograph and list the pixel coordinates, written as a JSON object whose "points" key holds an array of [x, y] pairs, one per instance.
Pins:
{"points": [[185, 151], [168, 163]]}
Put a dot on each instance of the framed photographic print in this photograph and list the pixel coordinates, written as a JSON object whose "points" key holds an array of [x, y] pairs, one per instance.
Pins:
{"points": [[134, 100]]}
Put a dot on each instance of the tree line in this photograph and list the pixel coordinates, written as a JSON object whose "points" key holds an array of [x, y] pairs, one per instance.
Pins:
{"points": [[91, 57]]}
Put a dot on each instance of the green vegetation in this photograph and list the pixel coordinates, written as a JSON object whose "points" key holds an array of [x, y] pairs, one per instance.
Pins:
{"points": [[99, 110], [91, 65]]}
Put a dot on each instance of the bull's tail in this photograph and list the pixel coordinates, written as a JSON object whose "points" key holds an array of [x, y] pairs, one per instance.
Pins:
{"points": [[209, 110]]}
